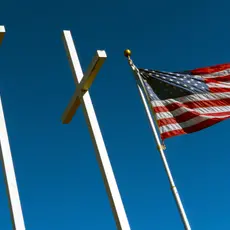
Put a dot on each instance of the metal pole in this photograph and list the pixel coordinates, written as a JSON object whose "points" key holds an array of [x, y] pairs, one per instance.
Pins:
{"points": [[140, 85]]}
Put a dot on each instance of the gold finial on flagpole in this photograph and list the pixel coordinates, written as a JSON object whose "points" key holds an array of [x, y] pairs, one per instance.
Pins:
{"points": [[127, 53]]}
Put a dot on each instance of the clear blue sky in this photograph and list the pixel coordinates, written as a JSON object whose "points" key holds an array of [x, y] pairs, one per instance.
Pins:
{"points": [[58, 176]]}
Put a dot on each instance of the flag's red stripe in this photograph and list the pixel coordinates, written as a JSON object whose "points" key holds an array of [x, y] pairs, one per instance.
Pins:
{"points": [[218, 79], [172, 133], [219, 90], [192, 105], [193, 128], [210, 69], [187, 116]]}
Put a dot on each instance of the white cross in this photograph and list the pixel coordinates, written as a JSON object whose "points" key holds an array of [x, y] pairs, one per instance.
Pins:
{"points": [[8, 168], [81, 96]]}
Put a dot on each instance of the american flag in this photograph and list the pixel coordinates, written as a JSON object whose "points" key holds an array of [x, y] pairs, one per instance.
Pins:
{"points": [[189, 101]]}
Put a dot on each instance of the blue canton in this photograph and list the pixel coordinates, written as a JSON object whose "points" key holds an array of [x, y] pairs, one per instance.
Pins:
{"points": [[165, 85]]}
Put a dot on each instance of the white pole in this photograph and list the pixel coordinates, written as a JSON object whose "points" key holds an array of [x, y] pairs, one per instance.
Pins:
{"points": [[10, 178], [140, 85], [95, 132], [8, 168]]}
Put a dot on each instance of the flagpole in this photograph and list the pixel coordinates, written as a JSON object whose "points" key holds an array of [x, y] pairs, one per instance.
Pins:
{"points": [[160, 147]]}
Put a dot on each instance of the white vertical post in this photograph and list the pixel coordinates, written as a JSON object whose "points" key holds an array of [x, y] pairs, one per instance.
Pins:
{"points": [[9, 174], [141, 87], [8, 169], [82, 96]]}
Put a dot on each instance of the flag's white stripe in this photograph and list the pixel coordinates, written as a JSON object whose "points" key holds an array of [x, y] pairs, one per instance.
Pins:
{"points": [[191, 98], [168, 128], [177, 126], [217, 74], [186, 124], [219, 85], [202, 111]]}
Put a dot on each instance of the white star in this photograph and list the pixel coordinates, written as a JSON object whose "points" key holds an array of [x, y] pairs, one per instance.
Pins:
{"points": [[185, 85], [171, 79], [192, 88], [178, 82], [195, 84], [188, 81]]}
